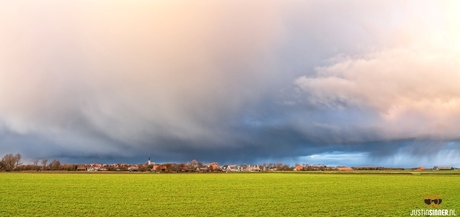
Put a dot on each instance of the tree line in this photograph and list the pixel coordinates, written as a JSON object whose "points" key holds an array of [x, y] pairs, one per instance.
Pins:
{"points": [[12, 162]]}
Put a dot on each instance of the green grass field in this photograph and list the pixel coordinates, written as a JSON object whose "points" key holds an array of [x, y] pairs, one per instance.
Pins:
{"points": [[245, 194]]}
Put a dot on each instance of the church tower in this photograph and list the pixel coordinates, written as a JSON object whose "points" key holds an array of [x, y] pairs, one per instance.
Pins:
{"points": [[148, 162]]}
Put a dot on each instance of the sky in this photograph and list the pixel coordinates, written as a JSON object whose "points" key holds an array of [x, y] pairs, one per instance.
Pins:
{"points": [[370, 83]]}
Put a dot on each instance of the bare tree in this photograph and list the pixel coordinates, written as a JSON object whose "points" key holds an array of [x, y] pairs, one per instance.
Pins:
{"points": [[278, 165], [9, 161], [54, 165], [35, 162], [193, 165], [44, 161], [17, 159], [271, 165]]}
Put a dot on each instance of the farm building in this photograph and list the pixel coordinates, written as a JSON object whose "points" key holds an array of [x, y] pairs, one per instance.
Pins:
{"points": [[344, 169], [232, 168], [213, 166], [367, 168], [255, 168], [443, 168], [81, 168], [133, 168]]}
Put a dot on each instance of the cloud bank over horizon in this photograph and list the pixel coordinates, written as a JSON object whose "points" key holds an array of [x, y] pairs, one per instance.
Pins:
{"points": [[232, 81]]}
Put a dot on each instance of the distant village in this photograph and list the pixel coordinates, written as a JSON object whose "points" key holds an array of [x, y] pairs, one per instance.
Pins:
{"points": [[12, 162]]}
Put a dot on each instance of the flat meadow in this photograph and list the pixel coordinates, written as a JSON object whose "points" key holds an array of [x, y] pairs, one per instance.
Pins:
{"points": [[232, 194]]}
